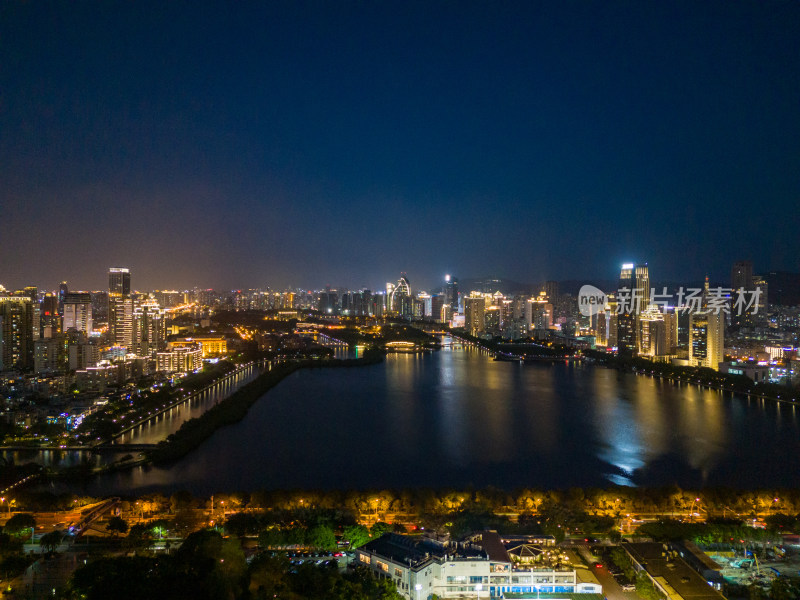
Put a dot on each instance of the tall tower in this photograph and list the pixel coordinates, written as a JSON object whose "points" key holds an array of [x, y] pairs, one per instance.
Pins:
{"points": [[636, 280], [120, 307], [626, 318], [742, 279], [400, 301], [706, 336], [451, 293], [62, 291]]}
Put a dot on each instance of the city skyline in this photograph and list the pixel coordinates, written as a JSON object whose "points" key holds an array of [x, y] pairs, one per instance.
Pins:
{"points": [[227, 147]]}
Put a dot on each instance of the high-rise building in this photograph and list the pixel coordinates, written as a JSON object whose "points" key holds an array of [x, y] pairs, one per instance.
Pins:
{"points": [[16, 332], [149, 328], [626, 317], [633, 298], [50, 320], [539, 314], [706, 340], [706, 335], [451, 292], [78, 312], [119, 281], [32, 292], [427, 304], [759, 283], [551, 291], [742, 275], [400, 299], [474, 314], [742, 279], [62, 291], [328, 302], [120, 307], [658, 332]]}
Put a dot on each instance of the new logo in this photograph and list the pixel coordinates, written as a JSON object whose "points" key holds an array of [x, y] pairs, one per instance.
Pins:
{"points": [[591, 300]]}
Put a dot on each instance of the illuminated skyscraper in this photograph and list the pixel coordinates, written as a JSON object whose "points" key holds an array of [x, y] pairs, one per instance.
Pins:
{"points": [[706, 336], [120, 307], [78, 312], [634, 283], [451, 292], [400, 301], [16, 332], [474, 313], [539, 314], [149, 328], [626, 318]]}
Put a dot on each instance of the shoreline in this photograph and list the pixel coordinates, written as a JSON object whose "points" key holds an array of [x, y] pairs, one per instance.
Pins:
{"points": [[229, 411], [609, 361]]}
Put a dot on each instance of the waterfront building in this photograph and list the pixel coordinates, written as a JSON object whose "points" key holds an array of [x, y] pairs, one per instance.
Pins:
{"points": [[480, 566], [706, 340], [400, 300], [183, 359], [539, 314], [633, 297], [474, 313], [706, 334], [211, 345]]}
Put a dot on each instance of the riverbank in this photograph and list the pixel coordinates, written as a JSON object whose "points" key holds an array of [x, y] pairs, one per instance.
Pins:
{"points": [[227, 412], [700, 376]]}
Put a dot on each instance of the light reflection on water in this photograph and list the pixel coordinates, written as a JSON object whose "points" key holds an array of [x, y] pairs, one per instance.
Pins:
{"points": [[457, 418], [151, 432]]}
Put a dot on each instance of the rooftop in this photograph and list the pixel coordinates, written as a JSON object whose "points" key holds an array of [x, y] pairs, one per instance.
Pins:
{"points": [[674, 571]]}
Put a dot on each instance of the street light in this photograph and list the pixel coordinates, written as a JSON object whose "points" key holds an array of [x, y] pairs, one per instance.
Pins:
{"points": [[418, 588], [478, 588]]}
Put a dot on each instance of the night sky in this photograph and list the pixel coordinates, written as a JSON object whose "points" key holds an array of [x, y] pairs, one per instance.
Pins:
{"points": [[248, 144]]}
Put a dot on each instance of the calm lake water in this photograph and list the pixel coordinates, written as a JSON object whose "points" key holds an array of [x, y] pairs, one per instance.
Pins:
{"points": [[457, 418]]}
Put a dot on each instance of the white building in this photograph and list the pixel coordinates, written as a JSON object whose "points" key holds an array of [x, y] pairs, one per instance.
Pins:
{"points": [[479, 567]]}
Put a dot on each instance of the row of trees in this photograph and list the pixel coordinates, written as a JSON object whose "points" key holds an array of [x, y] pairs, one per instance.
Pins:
{"points": [[410, 504], [208, 566]]}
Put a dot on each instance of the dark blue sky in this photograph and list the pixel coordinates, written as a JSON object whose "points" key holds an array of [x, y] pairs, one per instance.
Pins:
{"points": [[289, 143]]}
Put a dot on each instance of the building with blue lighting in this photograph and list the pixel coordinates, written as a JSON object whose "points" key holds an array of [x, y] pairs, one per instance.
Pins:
{"points": [[483, 565]]}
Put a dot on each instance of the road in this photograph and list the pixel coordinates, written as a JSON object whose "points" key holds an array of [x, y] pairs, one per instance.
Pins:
{"points": [[611, 589]]}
